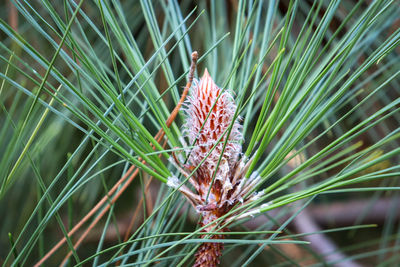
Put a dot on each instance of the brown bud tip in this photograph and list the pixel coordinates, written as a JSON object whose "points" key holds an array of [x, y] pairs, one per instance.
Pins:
{"points": [[195, 55]]}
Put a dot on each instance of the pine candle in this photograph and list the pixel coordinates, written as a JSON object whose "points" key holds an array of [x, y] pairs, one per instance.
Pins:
{"points": [[219, 180]]}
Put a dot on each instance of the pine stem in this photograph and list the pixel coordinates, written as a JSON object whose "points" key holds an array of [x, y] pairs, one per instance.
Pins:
{"points": [[208, 254]]}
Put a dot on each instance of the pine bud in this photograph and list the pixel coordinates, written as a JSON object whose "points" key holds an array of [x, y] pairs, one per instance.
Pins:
{"points": [[210, 111]]}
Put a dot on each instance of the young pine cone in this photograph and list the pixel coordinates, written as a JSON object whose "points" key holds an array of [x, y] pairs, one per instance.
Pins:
{"points": [[210, 112]]}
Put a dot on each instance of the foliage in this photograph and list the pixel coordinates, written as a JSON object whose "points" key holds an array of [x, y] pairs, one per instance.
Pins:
{"points": [[86, 86]]}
